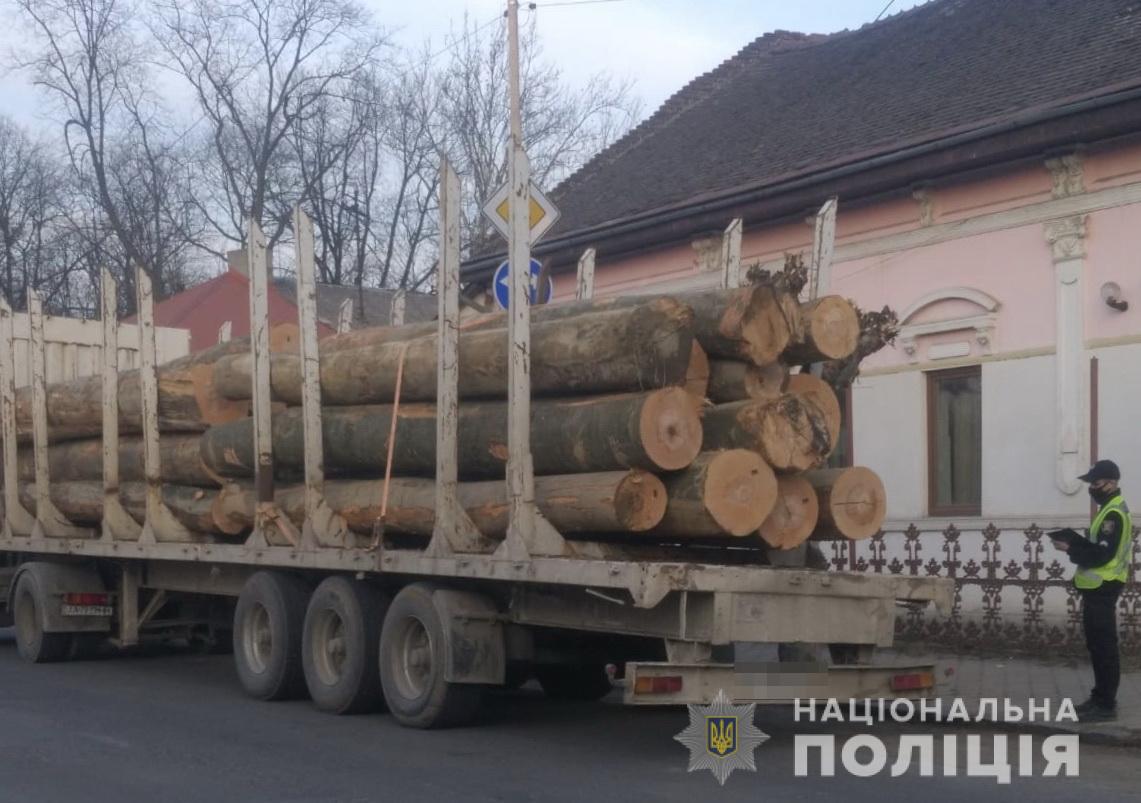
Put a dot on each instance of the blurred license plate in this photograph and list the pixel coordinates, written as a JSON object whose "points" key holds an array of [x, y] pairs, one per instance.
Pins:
{"points": [[86, 610]]}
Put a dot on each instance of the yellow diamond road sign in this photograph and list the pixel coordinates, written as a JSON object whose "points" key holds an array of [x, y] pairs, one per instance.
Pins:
{"points": [[543, 213]]}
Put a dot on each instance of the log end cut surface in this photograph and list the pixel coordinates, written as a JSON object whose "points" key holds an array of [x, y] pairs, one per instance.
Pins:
{"points": [[670, 429], [639, 501], [857, 502], [834, 327], [794, 517], [740, 491]]}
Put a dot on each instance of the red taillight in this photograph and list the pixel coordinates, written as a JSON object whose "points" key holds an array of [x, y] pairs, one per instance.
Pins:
{"points": [[912, 681], [658, 684], [85, 598]]}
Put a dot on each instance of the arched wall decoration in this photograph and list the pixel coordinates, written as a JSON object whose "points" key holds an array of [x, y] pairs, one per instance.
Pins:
{"points": [[983, 324]]}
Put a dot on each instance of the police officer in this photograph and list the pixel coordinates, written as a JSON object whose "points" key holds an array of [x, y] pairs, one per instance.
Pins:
{"points": [[1103, 559]]}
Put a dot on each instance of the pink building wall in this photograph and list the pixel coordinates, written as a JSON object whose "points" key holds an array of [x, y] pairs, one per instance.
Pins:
{"points": [[1013, 265]]}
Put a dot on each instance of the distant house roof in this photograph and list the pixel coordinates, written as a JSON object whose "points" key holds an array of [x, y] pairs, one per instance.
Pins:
{"points": [[372, 306], [797, 113], [204, 308]]}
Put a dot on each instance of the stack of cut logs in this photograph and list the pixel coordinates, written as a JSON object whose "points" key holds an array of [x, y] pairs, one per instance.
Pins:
{"points": [[657, 419]]}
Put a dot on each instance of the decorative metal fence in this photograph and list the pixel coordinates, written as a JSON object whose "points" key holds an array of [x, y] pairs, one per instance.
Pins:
{"points": [[1012, 591]]}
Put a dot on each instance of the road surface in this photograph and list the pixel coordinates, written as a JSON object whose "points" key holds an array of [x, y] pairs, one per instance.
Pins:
{"points": [[173, 726]]}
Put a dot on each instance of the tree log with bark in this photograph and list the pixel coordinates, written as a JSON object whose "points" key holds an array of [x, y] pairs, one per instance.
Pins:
{"points": [[658, 431], [575, 504], [611, 351]]}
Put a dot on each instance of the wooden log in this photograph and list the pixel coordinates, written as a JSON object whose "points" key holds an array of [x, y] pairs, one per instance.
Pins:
{"points": [[852, 502], [611, 351], [754, 324], [187, 399], [82, 503], [728, 492], [697, 373], [816, 391], [610, 502], [828, 329], [80, 460], [657, 431], [794, 515], [734, 380], [790, 434]]}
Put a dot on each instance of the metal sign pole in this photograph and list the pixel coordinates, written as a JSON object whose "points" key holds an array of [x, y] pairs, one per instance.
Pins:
{"points": [[823, 247], [731, 254], [453, 530], [17, 520], [527, 532], [322, 526], [267, 520], [117, 524], [584, 285], [49, 521]]}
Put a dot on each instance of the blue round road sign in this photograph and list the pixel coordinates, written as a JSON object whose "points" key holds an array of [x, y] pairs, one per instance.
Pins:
{"points": [[502, 284]]}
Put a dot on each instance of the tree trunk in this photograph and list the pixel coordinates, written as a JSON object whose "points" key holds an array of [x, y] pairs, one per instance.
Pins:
{"points": [[74, 461], [852, 502], [722, 493], [828, 330], [611, 351], [82, 503], [788, 433], [657, 431], [187, 399], [816, 391], [794, 517], [617, 501], [734, 380]]}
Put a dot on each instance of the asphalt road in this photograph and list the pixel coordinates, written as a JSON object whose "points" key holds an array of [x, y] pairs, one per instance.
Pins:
{"points": [[174, 726]]}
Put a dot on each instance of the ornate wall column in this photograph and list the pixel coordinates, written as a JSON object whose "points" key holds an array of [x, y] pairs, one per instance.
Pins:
{"points": [[1067, 243]]}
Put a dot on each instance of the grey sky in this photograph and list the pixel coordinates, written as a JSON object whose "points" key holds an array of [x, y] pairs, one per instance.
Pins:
{"points": [[661, 44]]}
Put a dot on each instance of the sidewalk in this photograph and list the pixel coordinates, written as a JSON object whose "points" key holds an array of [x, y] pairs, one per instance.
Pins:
{"points": [[1021, 678]]}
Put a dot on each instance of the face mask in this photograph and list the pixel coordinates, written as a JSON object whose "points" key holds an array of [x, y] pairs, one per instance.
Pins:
{"points": [[1101, 496]]}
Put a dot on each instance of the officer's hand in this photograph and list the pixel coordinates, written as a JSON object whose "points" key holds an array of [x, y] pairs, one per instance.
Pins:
{"points": [[1062, 545]]}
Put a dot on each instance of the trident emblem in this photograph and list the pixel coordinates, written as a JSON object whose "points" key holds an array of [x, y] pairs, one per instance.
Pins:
{"points": [[722, 735]]}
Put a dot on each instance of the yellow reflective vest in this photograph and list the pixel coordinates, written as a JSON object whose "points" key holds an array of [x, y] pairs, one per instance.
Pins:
{"points": [[1117, 568]]}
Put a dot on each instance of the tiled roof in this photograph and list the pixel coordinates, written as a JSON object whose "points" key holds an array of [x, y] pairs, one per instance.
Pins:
{"points": [[204, 308], [791, 104]]}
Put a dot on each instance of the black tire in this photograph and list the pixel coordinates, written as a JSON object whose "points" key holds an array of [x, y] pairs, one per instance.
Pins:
{"points": [[412, 665], [341, 645], [32, 642], [268, 621], [582, 682]]}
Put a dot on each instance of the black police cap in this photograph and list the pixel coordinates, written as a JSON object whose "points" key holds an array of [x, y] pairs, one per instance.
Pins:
{"points": [[1102, 470]]}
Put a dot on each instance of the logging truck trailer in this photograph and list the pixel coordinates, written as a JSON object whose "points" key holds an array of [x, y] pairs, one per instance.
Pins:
{"points": [[424, 627]]}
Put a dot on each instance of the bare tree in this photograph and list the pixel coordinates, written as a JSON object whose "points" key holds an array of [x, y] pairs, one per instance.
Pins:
{"points": [[257, 67], [31, 202], [371, 167], [563, 127], [90, 63]]}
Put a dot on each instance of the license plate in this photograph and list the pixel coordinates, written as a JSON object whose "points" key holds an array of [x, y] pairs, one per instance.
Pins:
{"points": [[86, 610]]}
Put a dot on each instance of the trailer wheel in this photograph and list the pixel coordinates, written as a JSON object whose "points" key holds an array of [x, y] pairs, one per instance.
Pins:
{"points": [[32, 642], [268, 622], [412, 656], [341, 644], [583, 682]]}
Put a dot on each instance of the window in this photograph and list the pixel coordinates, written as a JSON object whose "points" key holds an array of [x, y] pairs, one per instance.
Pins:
{"points": [[954, 442]]}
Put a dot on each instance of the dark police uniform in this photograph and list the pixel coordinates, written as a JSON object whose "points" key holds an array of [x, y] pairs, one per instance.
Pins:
{"points": [[1103, 567]]}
